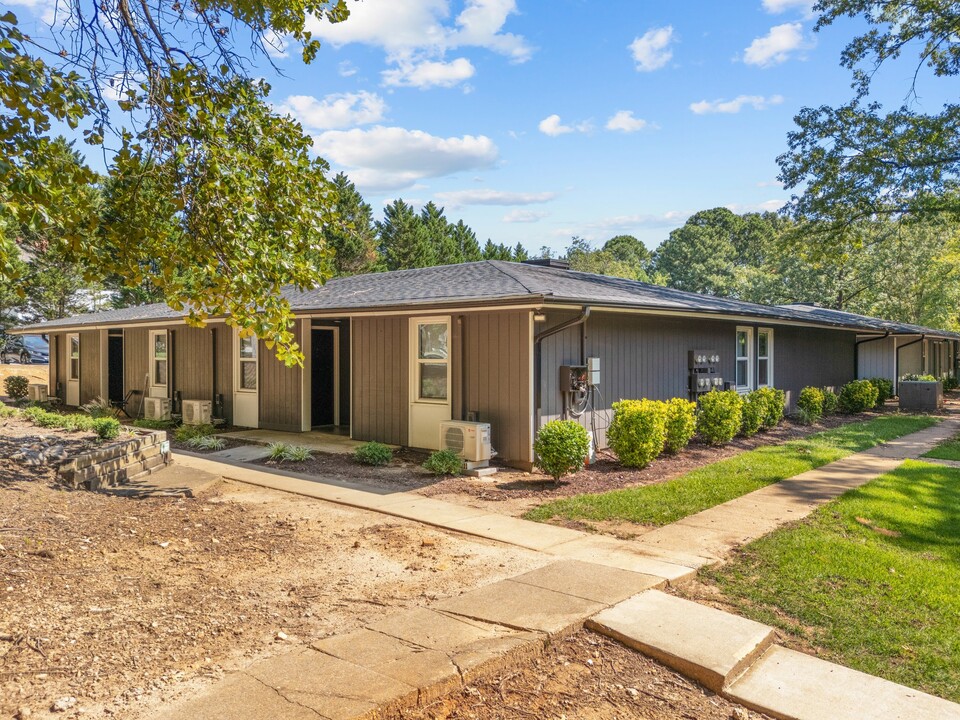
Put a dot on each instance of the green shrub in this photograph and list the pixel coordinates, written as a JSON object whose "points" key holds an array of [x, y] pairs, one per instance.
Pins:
{"points": [[720, 416], [151, 424], [32, 413], [281, 451], [561, 448], [681, 424], [884, 390], [76, 422], [185, 432], [207, 442], [810, 405], [913, 377], [373, 453], [858, 396], [49, 420], [774, 403], [638, 431], [754, 410], [950, 383], [444, 462], [299, 453], [6, 411], [831, 401], [106, 428], [100, 407], [16, 387]]}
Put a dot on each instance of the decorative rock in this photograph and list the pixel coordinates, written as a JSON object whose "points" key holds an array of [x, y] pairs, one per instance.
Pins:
{"points": [[63, 704], [23, 713]]}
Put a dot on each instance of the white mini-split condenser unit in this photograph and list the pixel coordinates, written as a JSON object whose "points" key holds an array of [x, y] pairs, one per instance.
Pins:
{"points": [[197, 412], [37, 392], [156, 408], [469, 440]]}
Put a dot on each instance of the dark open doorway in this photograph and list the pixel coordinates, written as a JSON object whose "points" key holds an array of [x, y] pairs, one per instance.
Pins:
{"points": [[324, 381], [115, 368]]}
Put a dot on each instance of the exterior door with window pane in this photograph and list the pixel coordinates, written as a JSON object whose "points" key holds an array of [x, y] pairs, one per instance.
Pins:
{"points": [[159, 363], [246, 380], [429, 380], [73, 370]]}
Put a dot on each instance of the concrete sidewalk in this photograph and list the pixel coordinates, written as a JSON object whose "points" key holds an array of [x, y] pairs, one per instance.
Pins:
{"points": [[414, 657]]}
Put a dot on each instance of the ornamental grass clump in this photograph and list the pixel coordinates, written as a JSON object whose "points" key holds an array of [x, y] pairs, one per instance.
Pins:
{"points": [[720, 416], [638, 431], [681, 424], [810, 405], [373, 453], [858, 396], [561, 448]]}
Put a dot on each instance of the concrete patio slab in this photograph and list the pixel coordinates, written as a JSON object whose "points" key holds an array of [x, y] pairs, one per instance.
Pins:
{"points": [[244, 453], [708, 645], [523, 607], [524, 533], [598, 583], [624, 555], [794, 686], [174, 480]]}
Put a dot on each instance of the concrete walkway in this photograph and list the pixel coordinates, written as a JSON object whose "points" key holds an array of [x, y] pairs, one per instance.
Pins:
{"points": [[416, 656]]}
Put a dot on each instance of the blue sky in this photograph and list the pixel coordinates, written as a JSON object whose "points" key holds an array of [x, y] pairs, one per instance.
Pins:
{"points": [[536, 121]]}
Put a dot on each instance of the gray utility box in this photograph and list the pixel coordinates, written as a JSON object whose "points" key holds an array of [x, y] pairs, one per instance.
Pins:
{"points": [[921, 395]]}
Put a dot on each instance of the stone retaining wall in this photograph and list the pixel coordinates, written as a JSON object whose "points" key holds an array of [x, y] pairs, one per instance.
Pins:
{"points": [[118, 463]]}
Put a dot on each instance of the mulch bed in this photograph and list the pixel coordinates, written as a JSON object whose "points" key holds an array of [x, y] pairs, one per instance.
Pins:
{"points": [[405, 471]]}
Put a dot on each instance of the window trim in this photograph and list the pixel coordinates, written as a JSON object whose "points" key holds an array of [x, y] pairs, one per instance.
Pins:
{"points": [[417, 361], [154, 359], [769, 357], [751, 351], [71, 337], [238, 363]]}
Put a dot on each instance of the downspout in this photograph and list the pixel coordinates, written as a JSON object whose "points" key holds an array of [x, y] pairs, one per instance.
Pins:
{"points": [[856, 353], [912, 342], [581, 319]]}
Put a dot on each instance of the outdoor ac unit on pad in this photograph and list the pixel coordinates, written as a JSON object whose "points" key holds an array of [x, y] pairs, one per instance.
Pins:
{"points": [[156, 408], [469, 440], [37, 393], [197, 412]]}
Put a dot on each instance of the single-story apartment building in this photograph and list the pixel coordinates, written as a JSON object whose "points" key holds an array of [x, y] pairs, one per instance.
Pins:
{"points": [[389, 356]]}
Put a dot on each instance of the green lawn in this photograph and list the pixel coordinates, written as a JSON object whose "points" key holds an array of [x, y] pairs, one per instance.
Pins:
{"points": [[949, 450], [870, 579], [718, 482]]}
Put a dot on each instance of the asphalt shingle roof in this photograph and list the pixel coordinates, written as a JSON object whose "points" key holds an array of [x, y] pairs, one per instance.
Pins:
{"points": [[494, 280]]}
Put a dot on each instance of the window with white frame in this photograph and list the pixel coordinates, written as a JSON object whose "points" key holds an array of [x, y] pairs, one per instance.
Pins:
{"points": [[744, 367], [247, 364], [74, 349], [432, 360], [765, 357], [158, 357]]}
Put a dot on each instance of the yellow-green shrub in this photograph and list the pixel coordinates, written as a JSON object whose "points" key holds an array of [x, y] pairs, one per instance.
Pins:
{"points": [[638, 431], [810, 405], [720, 416], [754, 408], [681, 424], [561, 448]]}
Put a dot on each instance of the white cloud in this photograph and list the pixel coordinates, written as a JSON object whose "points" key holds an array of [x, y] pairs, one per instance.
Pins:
{"points": [[275, 45], [552, 126], [341, 110], [524, 216], [770, 183], [459, 198], [46, 10], [776, 46], [776, 7], [346, 69], [390, 158], [651, 51], [624, 121], [429, 73], [765, 206], [757, 102]]}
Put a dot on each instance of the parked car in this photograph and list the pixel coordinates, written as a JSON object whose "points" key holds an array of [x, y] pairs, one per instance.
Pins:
{"points": [[24, 349]]}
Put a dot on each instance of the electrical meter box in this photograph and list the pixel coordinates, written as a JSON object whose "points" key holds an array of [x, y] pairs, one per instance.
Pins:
{"points": [[573, 378], [593, 371], [704, 368]]}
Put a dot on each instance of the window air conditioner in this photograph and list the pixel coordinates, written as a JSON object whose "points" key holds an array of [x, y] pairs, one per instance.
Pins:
{"points": [[156, 408], [197, 412], [469, 440], [37, 393]]}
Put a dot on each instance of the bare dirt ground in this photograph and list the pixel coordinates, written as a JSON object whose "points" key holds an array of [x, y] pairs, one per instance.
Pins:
{"points": [[124, 603], [33, 373], [586, 677]]}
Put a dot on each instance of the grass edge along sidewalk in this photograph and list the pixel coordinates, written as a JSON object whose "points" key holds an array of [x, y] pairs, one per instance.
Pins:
{"points": [[868, 580], [716, 483]]}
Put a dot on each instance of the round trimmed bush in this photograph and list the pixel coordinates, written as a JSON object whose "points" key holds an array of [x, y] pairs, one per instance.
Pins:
{"points": [[373, 453], [561, 447], [720, 416], [444, 462], [106, 428], [858, 396], [831, 401], [16, 387], [638, 431], [681, 424], [810, 405], [754, 410], [774, 402], [884, 390]]}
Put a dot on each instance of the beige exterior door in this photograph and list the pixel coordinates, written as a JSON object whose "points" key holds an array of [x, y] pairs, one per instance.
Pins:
{"points": [[429, 380], [73, 369], [246, 381]]}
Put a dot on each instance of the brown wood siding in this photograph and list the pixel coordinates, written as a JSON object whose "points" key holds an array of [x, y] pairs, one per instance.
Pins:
{"points": [[136, 364], [496, 380], [90, 370], [380, 378], [224, 343], [281, 394], [192, 362], [58, 367]]}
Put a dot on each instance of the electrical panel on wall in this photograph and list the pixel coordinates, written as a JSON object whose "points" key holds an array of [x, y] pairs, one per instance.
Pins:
{"points": [[704, 372]]}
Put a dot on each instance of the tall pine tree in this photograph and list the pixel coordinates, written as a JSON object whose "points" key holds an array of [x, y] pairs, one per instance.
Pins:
{"points": [[445, 248], [353, 236], [466, 241], [404, 241]]}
